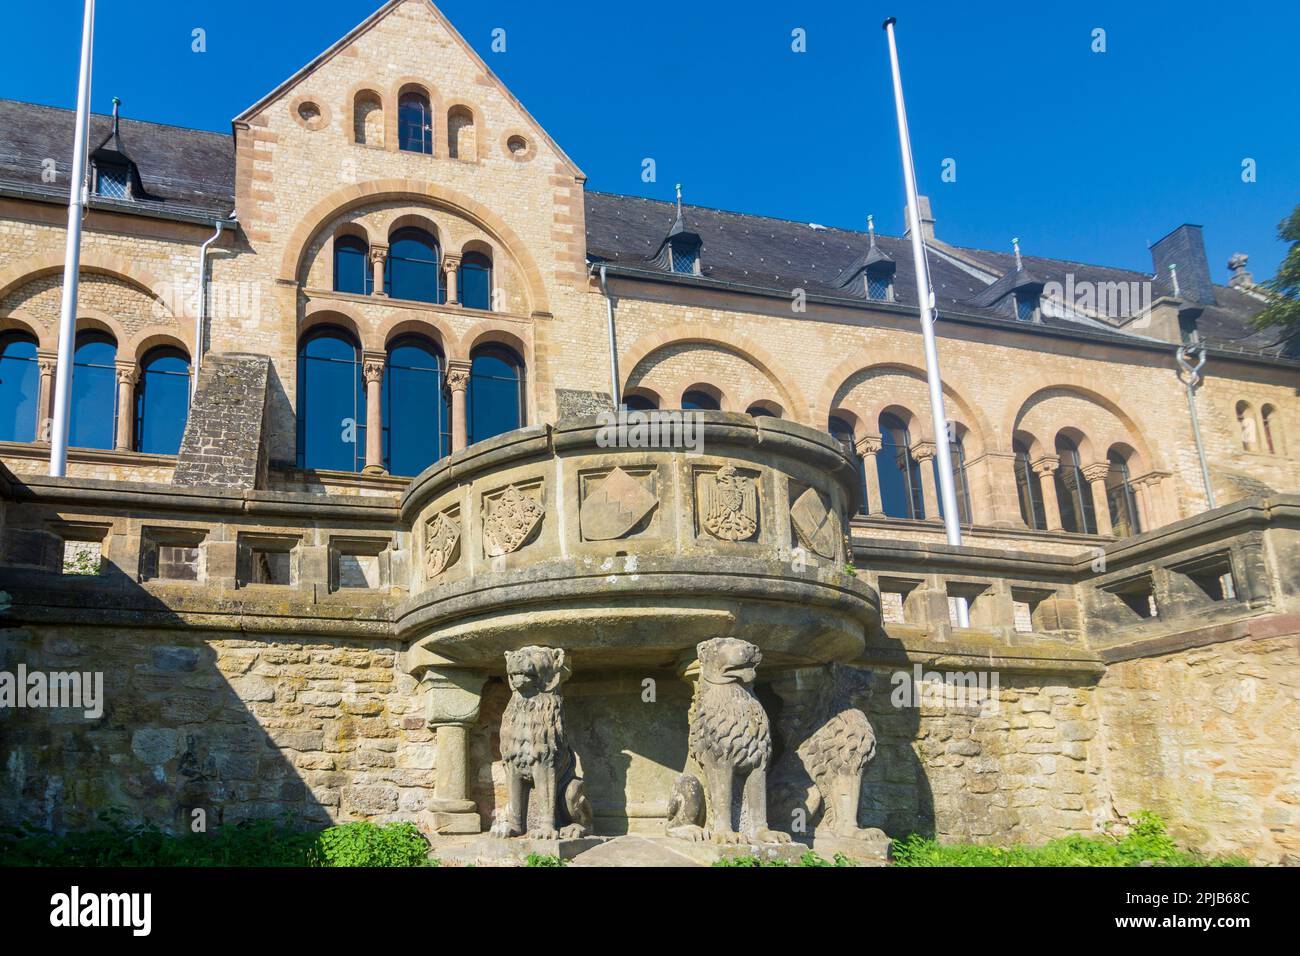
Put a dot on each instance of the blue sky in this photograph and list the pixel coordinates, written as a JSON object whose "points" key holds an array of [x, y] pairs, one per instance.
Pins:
{"points": [[1083, 155]]}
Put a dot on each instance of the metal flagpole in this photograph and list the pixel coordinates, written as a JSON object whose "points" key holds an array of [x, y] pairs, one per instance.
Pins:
{"points": [[77, 197], [925, 299]]}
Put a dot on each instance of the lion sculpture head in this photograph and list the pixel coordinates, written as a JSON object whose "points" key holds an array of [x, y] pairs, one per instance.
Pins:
{"points": [[728, 660], [536, 670]]}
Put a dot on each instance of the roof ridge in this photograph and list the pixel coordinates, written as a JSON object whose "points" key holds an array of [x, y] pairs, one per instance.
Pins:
{"points": [[124, 119]]}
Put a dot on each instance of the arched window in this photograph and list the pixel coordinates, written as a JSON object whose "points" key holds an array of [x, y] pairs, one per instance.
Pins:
{"points": [[331, 402], [1029, 489], [842, 432], [412, 271], [901, 495], [1268, 418], [162, 401], [20, 386], [475, 281], [368, 119], [461, 143], [1246, 426], [1120, 499], [496, 393], [417, 428], [698, 400], [639, 403], [957, 453], [94, 391], [352, 272], [414, 123], [1073, 493]]}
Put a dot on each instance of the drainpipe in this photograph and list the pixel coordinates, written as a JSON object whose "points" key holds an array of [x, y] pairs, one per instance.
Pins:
{"points": [[1191, 359], [203, 305], [613, 347]]}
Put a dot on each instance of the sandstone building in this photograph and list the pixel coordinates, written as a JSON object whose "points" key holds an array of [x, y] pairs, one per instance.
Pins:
{"points": [[315, 358]]}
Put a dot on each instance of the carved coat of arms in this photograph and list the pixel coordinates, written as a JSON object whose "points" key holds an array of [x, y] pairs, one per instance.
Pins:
{"points": [[615, 506], [729, 505], [510, 521], [815, 525], [441, 539]]}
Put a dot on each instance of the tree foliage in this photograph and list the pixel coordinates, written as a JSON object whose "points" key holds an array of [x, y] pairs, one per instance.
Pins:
{"points": [[1283, 289]]}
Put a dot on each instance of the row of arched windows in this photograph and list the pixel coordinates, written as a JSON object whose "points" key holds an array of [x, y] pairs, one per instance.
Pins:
{"points": [[415, 404], [1076, 502], [1259, 433], [161, 394], [412, 270], [415, 124]]}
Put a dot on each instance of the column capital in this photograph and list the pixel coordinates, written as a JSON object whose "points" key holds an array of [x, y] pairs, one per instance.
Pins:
{"points": [[378, 251], [1097, 471], [452, 695], [1046, 465], [372, 366], [868, 445], [1150, 479], [450, 261], [128, 373], [458, 376], [923, 450]]}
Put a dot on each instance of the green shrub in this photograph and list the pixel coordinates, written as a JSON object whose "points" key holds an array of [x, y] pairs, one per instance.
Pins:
{"points": [[365, 844], [1146, 843], [263, 843], [543, 859]]}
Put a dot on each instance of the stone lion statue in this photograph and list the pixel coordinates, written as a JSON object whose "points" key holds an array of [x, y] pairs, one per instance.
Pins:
{"points": [[838, 751], [731, 739], [546, 797]]}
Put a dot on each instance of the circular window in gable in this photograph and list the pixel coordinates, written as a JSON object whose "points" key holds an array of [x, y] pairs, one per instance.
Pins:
{"points": [[309, 114], [518, 148]]}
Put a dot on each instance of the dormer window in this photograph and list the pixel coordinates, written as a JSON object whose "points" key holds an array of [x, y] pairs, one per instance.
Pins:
{"points": [[1027, 306], [880, 285], [113, 180], [685, 258]]}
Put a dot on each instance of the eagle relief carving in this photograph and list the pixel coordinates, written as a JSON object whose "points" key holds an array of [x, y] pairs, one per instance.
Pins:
{"points": [[510, 521], [441, 544], [729, 504]]}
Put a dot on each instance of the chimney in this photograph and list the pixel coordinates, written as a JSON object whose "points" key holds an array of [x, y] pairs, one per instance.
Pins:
{"points": [[926, 217], [1240, 277], [1184, 249]]}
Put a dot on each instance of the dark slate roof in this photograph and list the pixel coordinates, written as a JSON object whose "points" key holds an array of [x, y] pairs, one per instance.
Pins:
{"points": [[772, 255], [777, 256], [185, 171]]}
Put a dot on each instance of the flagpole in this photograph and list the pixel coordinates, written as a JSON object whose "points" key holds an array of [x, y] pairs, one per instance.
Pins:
{"points": [[925, 301], [72, 257]]}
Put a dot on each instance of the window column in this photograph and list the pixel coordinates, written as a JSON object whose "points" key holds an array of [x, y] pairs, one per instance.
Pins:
{"points": [[1096, 475], [457, 384], [127, 377], [1045, 469], [451, 266], [372, 370], [378, 262], [47, 361], [923, 453], [868, 447]]}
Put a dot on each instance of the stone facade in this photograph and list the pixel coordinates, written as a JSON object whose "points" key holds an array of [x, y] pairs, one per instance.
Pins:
{"points": [[275, 638]]}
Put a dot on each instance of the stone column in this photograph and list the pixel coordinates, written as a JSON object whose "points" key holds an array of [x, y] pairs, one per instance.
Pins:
{"points": [[451, 266], [47, 362], [373, 371], [127, 376], [923, 453], [1096, 475], [457, 383], [1144, 492], [1045, 468], [378, 259], [868, 447], [452, 698]]}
